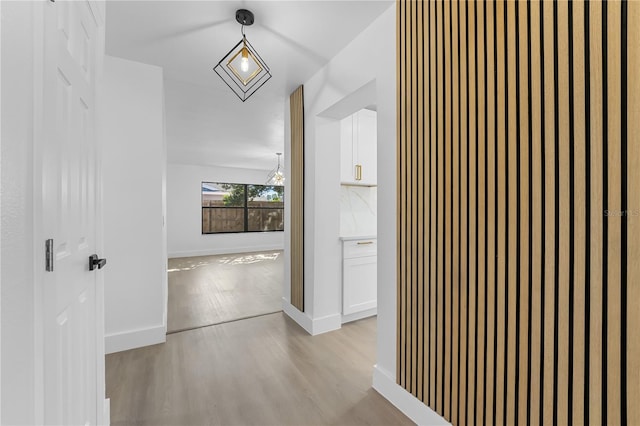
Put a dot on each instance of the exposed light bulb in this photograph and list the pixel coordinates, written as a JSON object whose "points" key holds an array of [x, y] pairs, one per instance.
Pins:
{"points": [[278, 178], [244, 62]]}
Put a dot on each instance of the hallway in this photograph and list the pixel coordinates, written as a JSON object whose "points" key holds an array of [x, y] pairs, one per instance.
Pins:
{"points": [[259, 371]]}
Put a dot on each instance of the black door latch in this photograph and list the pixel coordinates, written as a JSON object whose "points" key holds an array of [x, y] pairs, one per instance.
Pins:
{"points": [[94, 262]]}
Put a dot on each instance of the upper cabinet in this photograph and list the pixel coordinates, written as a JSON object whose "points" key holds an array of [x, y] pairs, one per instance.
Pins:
{"points": [[358, 149]]}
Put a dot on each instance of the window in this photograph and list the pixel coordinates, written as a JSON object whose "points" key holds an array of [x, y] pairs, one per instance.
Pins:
{"points": [[234, 207]]}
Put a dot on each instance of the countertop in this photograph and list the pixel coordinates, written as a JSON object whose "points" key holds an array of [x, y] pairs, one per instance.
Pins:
{"points": [[358, 237]]}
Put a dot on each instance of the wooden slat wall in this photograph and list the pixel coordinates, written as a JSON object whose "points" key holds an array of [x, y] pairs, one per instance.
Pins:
{"points": [[296, 194], [519, 210]]}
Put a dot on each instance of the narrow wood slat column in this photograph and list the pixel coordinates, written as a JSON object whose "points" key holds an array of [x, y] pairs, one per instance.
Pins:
{"points": [[632, 142], [296, 179], [579, 198], [518, 214], [481, 209], [448, 211], [523, 146], [455, 283], [595, 180], [537, 260], [563, 172], [491, 160], [615, 216]]}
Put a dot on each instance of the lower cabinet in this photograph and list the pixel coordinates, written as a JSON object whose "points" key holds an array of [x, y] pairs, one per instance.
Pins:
{"points": [[359, 277]]}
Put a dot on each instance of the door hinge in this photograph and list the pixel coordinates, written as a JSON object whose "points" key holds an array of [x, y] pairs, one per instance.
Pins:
{"points": [[49, 255]]}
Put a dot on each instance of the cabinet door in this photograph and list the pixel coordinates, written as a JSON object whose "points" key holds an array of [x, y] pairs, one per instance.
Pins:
{"points": [[347, 160], [359, 284], [366, 146]]}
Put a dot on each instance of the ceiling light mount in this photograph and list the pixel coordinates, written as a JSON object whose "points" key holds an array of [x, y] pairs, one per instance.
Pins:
{"points": [[244, 17], [242, 69]]}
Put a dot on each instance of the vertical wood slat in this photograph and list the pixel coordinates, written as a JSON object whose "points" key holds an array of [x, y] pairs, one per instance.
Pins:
{"points": [[464, 294], [472, 285], [564, 262], [402, 181], [500, 374], [432, 206], [616, 216], [412, 190], [297, 198], [481, 202], [455, 335], [491, 155], [424, 18], [439, 222], [580, 220], [549, 210], [535, 402], [448, 214], [511, 219], [525, 212], [633, 161], [420, 197], [554, 150], [597, 208]]}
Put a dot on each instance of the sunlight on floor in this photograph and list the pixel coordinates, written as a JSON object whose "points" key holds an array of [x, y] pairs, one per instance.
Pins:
{"points": [[190, 264]]}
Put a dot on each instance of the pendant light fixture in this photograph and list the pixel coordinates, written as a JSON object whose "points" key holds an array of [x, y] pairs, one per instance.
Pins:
{"points": [[276, 176], [242, 69]]}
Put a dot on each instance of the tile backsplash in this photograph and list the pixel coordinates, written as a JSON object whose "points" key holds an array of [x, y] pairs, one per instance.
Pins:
{"points": [[358, 206]]}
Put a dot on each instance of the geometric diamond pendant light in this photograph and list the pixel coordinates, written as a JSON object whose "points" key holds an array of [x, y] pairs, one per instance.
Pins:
{"points": [[242, 69], [276, 176]]}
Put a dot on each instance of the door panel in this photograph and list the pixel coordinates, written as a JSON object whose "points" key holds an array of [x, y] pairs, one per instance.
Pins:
{"points": [[72, 328]]}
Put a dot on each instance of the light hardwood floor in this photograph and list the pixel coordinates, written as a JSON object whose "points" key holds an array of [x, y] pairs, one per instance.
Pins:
{"points": [[209, 290], [258, 371]]}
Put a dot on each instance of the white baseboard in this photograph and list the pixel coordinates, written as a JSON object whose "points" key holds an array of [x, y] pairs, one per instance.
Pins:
{"points": [[313, 326], [412, 407], [359, 315], [301, 318], [326, 324], [107, 412], [225, 250], [133, 339]]}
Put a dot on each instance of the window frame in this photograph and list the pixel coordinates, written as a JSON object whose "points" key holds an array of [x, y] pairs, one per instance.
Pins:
{"points": [[245, 207]]}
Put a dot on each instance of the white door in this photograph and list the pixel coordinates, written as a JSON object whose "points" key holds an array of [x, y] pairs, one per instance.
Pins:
{"points": [[72, 305]]}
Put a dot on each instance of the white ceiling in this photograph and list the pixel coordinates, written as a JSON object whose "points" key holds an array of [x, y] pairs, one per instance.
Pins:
{"points": [[206, 123]]}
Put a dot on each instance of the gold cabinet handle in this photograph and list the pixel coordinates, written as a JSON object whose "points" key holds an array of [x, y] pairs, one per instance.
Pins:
{"points": [[358, 172], [363, 243]]}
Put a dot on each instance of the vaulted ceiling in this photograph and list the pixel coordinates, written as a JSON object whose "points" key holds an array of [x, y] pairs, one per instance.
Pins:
{"points": [[206, 123]]}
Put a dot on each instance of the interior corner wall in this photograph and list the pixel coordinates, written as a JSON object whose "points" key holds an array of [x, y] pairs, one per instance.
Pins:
{"points": [[184, 213], [133, 164], [17, 298], [370, 56]]}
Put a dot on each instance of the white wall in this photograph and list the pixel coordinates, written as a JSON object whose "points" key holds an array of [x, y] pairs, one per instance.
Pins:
{"points": [[134, 163], [184, 213], [369, 57], [16, 265]]}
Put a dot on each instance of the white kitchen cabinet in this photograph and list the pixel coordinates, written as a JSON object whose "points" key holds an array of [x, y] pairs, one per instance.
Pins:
{"points": [[359, 276], [358, 149]]}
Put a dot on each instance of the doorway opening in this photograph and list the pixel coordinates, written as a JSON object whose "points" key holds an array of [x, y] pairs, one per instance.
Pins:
{"points": [[214, 289], [350, 125]]}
